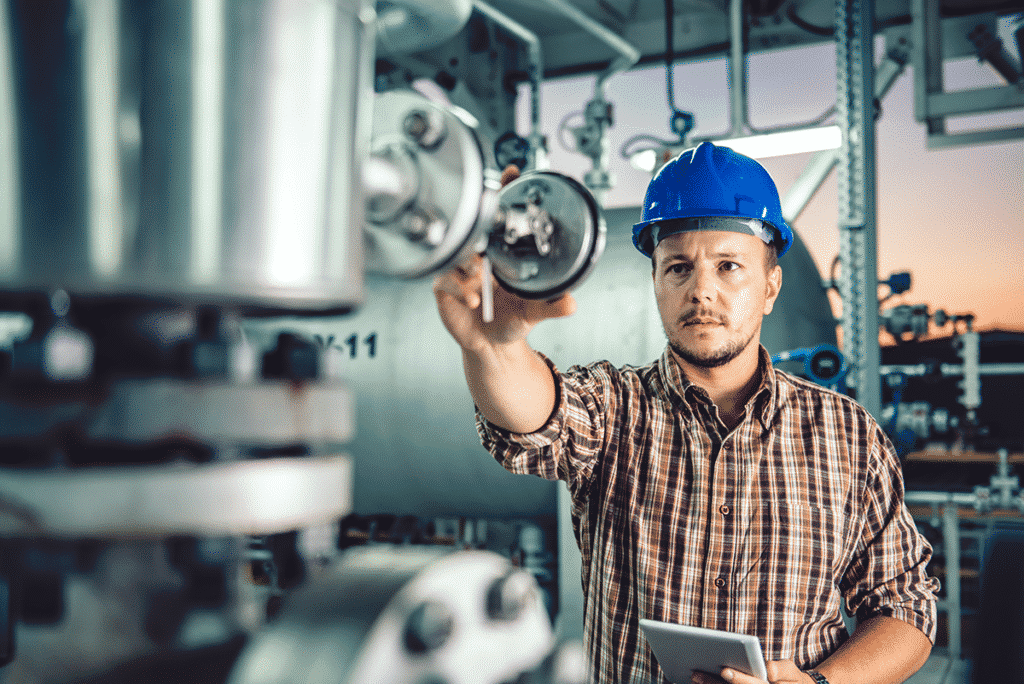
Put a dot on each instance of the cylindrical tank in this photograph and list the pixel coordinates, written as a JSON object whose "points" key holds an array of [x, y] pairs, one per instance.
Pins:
{"points": [[191, 152], [416, 449]]}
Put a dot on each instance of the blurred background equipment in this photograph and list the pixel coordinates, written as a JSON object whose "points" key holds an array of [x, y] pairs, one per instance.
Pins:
{"points": [[235, 440]]}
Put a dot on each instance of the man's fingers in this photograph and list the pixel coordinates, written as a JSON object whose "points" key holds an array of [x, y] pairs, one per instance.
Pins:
{"points": [[509, 174], [460, 288], [736, 677]]}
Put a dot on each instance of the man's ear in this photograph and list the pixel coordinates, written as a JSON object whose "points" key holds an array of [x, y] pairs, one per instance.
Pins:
{"points": [[772, 288]]}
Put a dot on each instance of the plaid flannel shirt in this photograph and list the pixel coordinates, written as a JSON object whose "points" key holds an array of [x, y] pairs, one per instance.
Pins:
{"points": [[762, 530]]}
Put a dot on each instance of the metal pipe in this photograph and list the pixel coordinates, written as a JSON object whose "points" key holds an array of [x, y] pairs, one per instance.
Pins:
{"points": [[405, 26], [628, 55], [737, 71], [1018, 35], [821, 164], [598, 112], [953, 369], [990, 49], [955, 498], [799, 194], [10, 192], [536, 73]]}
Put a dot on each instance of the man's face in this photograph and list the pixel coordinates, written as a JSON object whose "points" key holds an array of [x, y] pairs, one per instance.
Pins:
{"points": [[712, 291]]}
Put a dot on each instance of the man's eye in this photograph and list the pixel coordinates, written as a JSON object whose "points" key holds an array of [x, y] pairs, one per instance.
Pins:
{"points": [[730, 266], [677, 268]]}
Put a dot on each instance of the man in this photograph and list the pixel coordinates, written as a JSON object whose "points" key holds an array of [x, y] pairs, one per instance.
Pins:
{"points": [[709, 488]]}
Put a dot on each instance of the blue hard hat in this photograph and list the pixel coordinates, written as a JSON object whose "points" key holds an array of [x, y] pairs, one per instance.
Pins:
{"points": [[710, 181]]}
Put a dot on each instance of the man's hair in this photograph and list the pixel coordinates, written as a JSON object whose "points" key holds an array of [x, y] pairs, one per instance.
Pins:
{"points": [[771, 259]]}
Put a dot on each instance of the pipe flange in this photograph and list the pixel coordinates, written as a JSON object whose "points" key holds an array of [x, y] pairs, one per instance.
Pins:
{"points": [[432, 192]]}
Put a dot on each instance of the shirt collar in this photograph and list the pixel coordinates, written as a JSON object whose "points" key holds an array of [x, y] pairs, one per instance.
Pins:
{"points": [[678, 384]]}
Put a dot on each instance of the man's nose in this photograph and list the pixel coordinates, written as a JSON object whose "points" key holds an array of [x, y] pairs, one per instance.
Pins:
{"points": [[702, 285]]}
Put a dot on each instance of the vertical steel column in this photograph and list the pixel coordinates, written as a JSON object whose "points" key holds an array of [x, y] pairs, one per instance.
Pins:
{"points": [[856, 189]]}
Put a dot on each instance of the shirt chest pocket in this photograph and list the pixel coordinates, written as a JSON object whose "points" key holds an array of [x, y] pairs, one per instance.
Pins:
{"points": [[805, 543]]}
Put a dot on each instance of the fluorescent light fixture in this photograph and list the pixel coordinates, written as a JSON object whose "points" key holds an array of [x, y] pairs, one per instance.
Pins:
{"points": [[760, 146], [644, 160], [787, 142]]}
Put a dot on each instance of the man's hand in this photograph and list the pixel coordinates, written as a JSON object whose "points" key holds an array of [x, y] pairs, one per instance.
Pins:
{"points": [[779, 672], [458, 294]]}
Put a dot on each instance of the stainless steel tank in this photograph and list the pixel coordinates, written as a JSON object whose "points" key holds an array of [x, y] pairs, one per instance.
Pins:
{"points": [[201, 151], [416, 449]]}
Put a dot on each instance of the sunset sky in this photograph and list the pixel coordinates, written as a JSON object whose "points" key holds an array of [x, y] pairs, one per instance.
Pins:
{"points": [[953, 217]]}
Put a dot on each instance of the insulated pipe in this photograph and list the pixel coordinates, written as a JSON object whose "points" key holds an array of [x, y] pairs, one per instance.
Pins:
{"points": [[536, 72], [405, 26], [628, 55]]}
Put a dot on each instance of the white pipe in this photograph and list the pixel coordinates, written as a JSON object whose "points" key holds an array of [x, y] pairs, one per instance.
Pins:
{"points": [[953, 369], [737, 71], [10, 209]]}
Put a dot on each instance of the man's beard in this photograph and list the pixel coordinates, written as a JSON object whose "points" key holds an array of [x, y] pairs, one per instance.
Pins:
{"points": [[713, 359]]}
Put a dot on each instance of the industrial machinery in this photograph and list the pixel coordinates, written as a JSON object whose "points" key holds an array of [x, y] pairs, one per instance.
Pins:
{"points": [[235, 442], [165, 483]]}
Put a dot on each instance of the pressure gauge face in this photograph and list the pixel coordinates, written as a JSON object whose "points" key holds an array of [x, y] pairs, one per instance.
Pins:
{"points": [[547, 237]]}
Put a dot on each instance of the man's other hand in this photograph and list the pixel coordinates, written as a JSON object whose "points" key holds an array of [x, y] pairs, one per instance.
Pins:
{"points": [[779, 672]]}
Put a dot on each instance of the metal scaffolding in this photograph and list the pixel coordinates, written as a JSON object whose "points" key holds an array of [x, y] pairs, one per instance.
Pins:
{"points": [[855, 105]]}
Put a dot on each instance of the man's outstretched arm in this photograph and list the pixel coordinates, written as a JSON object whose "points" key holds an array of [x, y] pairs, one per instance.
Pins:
{"points": [[510, 383]]}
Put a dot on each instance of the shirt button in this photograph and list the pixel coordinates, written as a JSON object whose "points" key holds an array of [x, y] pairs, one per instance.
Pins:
{"points": [[719, 582], [723, 509]]}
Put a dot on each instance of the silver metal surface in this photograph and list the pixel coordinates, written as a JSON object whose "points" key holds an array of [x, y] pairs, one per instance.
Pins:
{"points": [[951, 549], [218, 499], [264, 414], [932, 104], [441, 197], [192, 151], [550, 237], [402, 616], [626, 54]]}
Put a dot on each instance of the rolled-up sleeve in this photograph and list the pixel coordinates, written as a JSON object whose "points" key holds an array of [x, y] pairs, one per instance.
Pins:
{"points": [[889, 576], [568, 445]]}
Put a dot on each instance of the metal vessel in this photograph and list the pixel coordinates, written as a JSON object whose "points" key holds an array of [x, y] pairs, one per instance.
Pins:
{"points": [[195, 152]]}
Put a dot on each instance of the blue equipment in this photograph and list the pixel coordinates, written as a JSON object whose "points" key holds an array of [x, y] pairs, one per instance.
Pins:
{"points": [[823, 364]]}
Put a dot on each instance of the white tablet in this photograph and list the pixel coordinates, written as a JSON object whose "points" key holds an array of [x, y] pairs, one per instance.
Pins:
{"points": [[681, 649]]}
